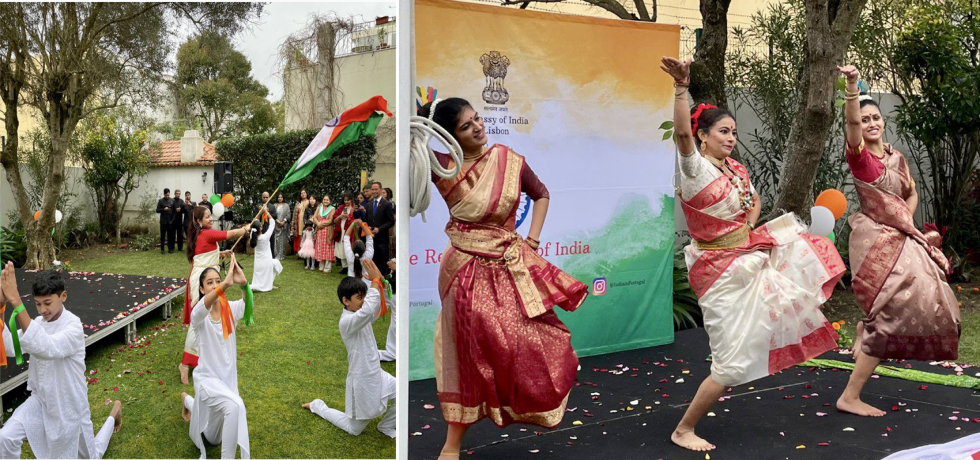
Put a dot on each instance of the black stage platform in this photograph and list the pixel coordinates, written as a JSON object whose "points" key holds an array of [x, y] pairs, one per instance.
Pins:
{"points": [[104, 302], [626, 404]]}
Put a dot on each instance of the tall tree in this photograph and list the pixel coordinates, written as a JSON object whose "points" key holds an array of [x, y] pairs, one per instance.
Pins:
{"points": [[829, 27], [214, 83], [70, 60], [115, 162]]}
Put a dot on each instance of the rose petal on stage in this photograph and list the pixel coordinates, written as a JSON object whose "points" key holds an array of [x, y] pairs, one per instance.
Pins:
{"points": [[428, 407], [848, 429], [821, 414]]}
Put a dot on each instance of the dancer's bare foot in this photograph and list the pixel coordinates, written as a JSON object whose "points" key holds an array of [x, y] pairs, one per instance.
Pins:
{"points": [[116, 414], [448, 455], [184, 412], [691, 441], [306, 406], [184, 371], [858, 407]]}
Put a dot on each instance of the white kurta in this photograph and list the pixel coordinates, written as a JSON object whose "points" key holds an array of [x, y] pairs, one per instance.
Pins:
{"points": [[266, 267], [369, 388], [390, 351], [56, 380], [216, 377]]}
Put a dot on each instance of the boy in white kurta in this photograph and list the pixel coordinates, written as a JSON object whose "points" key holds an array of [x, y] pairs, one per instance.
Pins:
{"points": [[369, 388], [56, 418], [217, 411], [365, 250]]}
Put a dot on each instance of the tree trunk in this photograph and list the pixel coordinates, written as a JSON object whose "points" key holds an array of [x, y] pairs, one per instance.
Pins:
{"points": [[326, 47], [708, 69], [830, 25]]}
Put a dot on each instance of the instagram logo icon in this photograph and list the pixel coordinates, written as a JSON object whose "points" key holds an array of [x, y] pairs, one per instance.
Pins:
{"points": [[599, 286]]}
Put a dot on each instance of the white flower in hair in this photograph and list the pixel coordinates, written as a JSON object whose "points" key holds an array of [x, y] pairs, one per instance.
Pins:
{"points": [[432, 110], [864, 97]]}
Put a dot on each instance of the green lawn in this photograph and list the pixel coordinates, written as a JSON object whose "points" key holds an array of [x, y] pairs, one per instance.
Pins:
{"points": [[290, 356], [843, 305]]}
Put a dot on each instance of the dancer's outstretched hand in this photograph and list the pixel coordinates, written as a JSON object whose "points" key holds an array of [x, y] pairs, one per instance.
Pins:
{"points": [[8, 283], [681, 71], [236, 272], [850, 72]]}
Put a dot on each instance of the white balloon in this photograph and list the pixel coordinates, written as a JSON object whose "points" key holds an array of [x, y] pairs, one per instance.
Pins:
{"points": [[57, 216], [219, 210], [821, 221]]}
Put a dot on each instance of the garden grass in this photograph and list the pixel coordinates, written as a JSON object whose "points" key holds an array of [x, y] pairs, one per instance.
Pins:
{"points": [[290, 356]]}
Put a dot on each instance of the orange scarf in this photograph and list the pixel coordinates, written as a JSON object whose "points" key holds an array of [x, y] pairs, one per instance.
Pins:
{"points": [[227, 320], [381, 289]]}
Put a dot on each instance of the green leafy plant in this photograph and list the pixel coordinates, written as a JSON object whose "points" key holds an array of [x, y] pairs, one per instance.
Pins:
{"points": [[143, 242], [13, 245], [687, 312]]}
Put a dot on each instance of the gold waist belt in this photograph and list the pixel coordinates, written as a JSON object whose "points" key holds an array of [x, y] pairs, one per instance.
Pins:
{"points": [[731, 240]]}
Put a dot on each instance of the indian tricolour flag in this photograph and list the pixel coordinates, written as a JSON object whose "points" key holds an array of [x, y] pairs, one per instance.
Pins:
{"points": [[346, 128]]}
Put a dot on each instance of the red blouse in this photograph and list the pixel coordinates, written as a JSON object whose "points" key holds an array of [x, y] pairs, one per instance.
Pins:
{"points": [[865, 166], [208, 240]]}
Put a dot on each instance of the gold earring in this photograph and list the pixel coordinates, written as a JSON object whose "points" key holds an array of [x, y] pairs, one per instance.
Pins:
{"points": [[704, 146]]}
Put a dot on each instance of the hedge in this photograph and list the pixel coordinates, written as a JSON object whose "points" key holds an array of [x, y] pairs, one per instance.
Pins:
{"points": [[261, 161]]}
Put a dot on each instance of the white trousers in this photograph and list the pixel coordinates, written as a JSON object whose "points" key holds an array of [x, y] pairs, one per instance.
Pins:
{"points": [[222, 427], [388, 354], [354, 426], [14, 432]]}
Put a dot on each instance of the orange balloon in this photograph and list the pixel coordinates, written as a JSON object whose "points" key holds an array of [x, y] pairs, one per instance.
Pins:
{"points": [[37, 215], [227, 200], [833, 200]]}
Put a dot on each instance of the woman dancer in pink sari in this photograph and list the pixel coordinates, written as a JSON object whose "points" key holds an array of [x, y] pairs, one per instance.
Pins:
{"points": [[759, 289], [500, 350], [899, 273]]}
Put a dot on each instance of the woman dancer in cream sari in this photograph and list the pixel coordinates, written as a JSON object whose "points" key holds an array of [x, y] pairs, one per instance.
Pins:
{"points": [[899, 278], [759, 289]]}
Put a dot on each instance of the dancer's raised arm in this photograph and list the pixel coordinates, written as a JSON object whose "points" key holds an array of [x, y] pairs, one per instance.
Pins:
{"points": [[681, 72]]}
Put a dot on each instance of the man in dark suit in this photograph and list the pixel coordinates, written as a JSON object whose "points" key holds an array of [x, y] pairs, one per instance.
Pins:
{"points": [[381, 218], [165, 207], [204, 202], [179, 219], [187, 215]]}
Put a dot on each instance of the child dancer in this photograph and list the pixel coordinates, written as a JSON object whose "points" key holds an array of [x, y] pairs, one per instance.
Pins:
{"points": [[266, 267], [55, 419], [369, 388], [217, 412], [307, 250]]}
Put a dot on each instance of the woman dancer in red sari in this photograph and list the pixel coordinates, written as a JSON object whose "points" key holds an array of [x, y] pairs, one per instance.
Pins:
{"points": [[759, 288], [500, 350], [899, 273]]}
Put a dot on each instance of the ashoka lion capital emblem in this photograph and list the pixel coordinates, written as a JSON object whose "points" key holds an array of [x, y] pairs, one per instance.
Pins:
{"points": [[495, 69]]}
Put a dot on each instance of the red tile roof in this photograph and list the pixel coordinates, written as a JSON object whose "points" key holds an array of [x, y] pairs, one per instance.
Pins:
{"points": [[169, 155]]}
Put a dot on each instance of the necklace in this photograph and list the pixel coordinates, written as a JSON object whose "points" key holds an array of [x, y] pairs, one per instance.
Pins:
{"points": [[742, 186]]}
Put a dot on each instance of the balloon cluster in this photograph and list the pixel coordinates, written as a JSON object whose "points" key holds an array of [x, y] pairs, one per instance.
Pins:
{"points": [[57, 218], [220, 204], [829, 206]]}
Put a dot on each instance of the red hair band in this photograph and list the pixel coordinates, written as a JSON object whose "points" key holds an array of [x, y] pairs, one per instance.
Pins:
{"points": [[697, 114]]}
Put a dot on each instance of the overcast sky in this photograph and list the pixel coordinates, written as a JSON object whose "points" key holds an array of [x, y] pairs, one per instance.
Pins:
{"points": [[278, 20]]}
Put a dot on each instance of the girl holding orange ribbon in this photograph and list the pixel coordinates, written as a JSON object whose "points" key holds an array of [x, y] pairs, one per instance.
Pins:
{"points": [[218, 411]]}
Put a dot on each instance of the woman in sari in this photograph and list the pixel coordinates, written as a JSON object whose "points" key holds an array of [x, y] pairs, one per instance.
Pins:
{"points": [[759, 289], [500, 350], [899, 273], [323, 222], [299, 221], [202, 253], [280, 239]]}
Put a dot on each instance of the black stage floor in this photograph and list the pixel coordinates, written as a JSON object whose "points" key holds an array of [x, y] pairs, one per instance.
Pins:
{"points": [[615, 413], [104, 302]]}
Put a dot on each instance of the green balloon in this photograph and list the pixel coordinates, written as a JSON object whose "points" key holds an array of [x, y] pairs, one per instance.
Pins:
{"points": [[833, 238], [214, 199]]}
